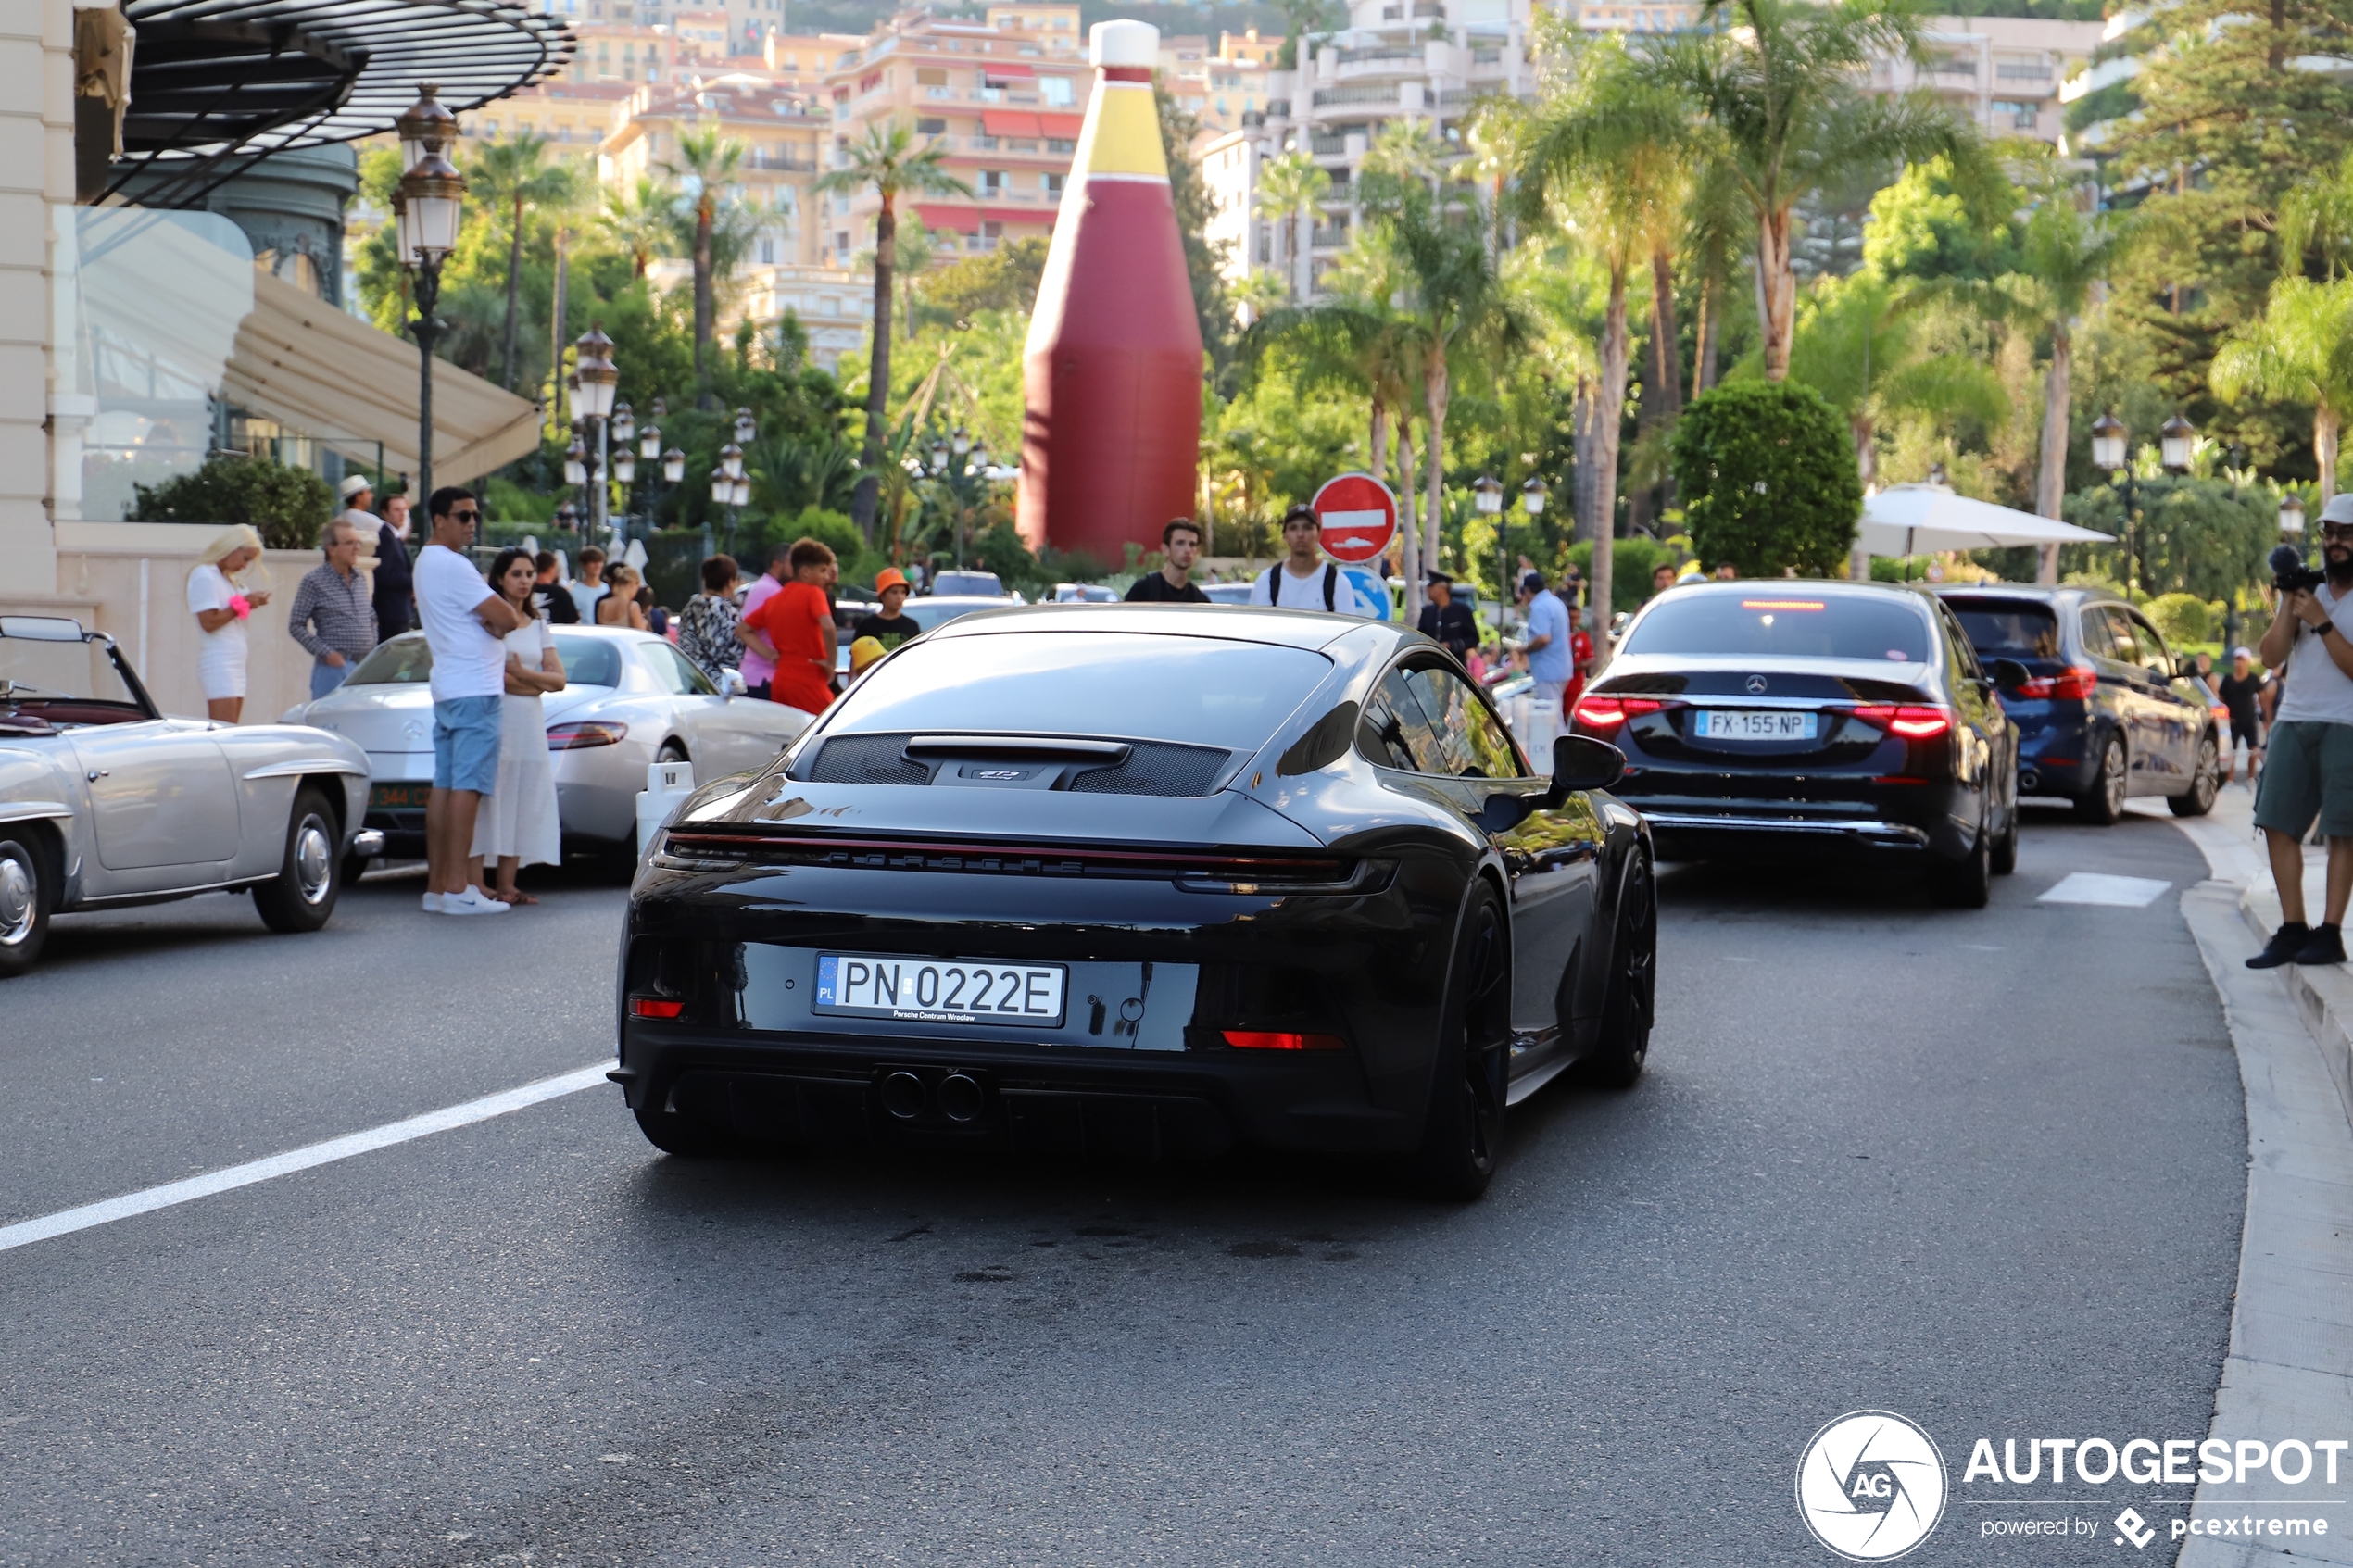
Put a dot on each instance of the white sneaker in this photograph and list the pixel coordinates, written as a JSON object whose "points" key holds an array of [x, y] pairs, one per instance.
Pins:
{"points": [[471, 902], [433, 903]]}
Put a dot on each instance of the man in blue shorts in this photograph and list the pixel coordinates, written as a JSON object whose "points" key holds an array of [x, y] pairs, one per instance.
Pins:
{"points": [[465, 624]]}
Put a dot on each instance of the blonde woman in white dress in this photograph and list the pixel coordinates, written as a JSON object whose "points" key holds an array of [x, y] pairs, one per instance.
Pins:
{"points": [[221, 600], [516, 826]]}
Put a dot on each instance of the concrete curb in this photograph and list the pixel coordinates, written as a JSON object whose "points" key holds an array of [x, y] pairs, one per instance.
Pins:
{"points": [[2289, 1370]]}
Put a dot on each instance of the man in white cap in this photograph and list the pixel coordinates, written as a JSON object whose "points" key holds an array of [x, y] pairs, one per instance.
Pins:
{"points": [[2308, 762]]}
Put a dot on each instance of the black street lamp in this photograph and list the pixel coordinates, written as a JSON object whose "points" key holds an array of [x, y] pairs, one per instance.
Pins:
{"points": [[428, 207], [2176, 438], [595, 379]]}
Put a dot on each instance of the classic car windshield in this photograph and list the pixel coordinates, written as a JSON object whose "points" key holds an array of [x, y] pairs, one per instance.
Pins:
{"points": [[588, 661], [63, 682]]}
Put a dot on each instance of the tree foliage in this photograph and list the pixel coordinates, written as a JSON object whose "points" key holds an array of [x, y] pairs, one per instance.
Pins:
{"points": [[1768, 478], [287, 506]]}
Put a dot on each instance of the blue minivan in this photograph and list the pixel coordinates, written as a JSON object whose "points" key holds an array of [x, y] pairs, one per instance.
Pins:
{"points": [[2107, 714]]}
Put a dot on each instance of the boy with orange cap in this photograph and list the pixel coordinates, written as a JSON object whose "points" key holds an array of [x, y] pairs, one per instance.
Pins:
{"points": [[890, 628]]}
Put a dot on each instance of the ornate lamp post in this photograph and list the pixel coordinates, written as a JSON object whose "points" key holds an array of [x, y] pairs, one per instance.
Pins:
{"points": [[2292, 515], [1532, 495], [428, 207], [2176, 437], [594, 381]]}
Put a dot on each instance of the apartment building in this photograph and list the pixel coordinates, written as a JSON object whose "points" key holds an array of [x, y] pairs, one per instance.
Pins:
{"points": [[575, 117], [741, 27], [802, 62], [2006, 73], [1422, 60], [1218, 87], [783, 137], [1004, 98], [624, 51]]}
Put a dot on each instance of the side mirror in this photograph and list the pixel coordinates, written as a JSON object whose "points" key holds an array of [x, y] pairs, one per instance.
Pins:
{"points": [[1582, 762], [731, 683], [2160, 674], [2010, 674]]}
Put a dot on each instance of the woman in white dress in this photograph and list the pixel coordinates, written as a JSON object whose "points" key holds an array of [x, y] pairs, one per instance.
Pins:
{"points": [[516, 826], [222, 605]]}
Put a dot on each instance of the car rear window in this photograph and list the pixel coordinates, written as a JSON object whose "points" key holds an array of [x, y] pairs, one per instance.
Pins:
{"points": [[1197, 690], [1785, 625], [588, 661], [2009, 628]]}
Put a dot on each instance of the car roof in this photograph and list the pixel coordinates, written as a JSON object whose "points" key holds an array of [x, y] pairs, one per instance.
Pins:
{"points": [[1236, 623], [2045, 592]]}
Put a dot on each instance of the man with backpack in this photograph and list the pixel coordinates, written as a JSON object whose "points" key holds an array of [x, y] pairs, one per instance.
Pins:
{"points": [[1305, 580]]}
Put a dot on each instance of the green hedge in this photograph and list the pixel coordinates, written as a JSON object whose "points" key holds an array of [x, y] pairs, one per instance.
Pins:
{"points": [[1766, 473], [287, 506]]}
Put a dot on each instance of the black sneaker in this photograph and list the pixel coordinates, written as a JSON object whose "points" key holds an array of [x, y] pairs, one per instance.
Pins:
{"points": [[2326, 944], [2285, 944]]}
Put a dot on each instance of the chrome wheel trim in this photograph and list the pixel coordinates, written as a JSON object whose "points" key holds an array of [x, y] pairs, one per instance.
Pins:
{"points": [[314, 860], [2112, 778], [20, 900], [2208, 783]]}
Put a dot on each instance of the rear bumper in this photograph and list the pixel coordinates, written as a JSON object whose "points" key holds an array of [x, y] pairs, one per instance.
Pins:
{"points": [[828, 1092], [1724, 830]]}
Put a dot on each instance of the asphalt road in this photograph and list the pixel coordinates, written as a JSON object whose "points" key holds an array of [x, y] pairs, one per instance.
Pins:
{"points": [[1986, 1169]]}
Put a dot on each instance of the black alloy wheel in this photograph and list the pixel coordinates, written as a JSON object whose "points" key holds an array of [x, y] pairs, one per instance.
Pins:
{"points": [[25, 900], [2105, 804], [1967, 883], [303, 893], [1463, 1137], [1623, 1047], [2206, 781]]}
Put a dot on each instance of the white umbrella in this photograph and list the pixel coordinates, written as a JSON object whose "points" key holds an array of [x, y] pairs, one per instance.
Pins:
{"points": [[1910, 520]]}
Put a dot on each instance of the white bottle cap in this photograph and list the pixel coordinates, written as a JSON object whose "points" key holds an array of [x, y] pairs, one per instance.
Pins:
{"points": [[1123, 44]]}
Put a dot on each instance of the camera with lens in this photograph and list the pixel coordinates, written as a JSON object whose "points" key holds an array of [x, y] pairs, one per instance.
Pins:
{"points": [[2289, 574]]}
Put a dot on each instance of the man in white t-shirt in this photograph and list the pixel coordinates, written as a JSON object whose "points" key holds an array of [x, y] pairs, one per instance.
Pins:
{"points": [[1305, 580], [2307, 764], [464, 621]]}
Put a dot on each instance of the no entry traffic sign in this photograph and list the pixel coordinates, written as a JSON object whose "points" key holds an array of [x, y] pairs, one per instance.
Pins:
{"points": [[1359, 517]]}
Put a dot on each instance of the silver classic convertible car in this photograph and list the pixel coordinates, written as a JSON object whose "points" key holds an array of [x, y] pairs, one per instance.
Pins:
{"points": [[104, 802]]}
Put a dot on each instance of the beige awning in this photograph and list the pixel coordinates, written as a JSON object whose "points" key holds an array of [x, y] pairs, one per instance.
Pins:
{"points": [[307, 365]]}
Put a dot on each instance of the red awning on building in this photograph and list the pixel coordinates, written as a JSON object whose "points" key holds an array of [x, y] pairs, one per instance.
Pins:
{"points": [[1008, 122], [1064, 127], [1006, 68]]}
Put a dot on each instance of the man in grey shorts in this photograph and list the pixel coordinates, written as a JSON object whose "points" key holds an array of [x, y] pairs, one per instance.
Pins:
{"points": [[2307, 765]]}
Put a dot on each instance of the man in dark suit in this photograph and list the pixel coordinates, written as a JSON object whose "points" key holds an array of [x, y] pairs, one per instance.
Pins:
{"points": [[394, 595], [1445, 622]]}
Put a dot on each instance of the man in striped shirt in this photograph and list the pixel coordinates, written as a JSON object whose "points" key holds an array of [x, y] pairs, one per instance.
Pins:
{"points": [[333, 617]]}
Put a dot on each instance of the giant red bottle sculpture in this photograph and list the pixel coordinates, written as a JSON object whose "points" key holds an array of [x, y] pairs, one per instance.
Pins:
{"points": [[1112, 373]]}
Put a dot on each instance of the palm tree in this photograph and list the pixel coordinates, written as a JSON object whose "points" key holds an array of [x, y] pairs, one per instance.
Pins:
{"points": [[888, 161], [509, 175], [1776, 83], [1859, 344], [1293, 186], [917, 250], [706, 158], [639, 221], [2318, 214], [1611, 152], [1717, 227], [1458, 308], [2067, 257], [2300, 349], [1261, 294]]}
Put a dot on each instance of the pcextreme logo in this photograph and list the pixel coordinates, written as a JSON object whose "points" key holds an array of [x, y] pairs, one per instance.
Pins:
{"points": [[1870, 1485]]}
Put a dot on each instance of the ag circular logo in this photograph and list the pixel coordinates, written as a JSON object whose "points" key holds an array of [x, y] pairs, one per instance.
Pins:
{"points": [[1871, 1485]]}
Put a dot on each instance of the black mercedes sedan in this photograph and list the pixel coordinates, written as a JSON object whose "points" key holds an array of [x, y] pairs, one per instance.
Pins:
{"points": [[1802, 719], [1152, 878]]}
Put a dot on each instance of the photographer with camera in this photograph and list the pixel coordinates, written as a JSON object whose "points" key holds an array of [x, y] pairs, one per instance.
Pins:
{"points": [[2307, 768]]}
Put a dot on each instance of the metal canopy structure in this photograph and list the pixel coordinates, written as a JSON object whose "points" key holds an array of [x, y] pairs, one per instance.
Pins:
{"points": [[218, 85]]}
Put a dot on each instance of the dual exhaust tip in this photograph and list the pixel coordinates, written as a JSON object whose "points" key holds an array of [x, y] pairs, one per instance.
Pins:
{"points": [[906, 1097]]}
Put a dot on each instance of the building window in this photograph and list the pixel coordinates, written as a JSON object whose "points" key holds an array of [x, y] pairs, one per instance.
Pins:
{"points": [[1052, 183], [1061, 144], [767, 251], [931, 76], [1054, 90], [994, 181], [931, 127]]}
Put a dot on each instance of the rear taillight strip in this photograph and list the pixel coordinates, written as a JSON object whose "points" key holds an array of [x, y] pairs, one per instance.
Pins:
{"points": [[892, 854]]}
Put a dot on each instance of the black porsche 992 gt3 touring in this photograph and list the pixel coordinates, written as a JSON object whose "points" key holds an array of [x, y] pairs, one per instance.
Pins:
{"points": [[1157, 878]]}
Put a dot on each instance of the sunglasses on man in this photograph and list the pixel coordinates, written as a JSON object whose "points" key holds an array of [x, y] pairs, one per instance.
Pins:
{"points": [[470, 515], [2342, 531]]}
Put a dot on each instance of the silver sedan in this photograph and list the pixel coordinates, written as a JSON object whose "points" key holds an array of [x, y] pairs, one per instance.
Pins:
{"points": [[629, 700], [104, 802]]}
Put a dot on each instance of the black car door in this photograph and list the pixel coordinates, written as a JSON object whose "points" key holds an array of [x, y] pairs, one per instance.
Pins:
{"points": [[1987, 755], [1551, 856]]}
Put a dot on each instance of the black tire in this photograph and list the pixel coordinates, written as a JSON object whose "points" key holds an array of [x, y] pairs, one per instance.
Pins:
{"points": [[302, 896], [2104, 803], [1967, 883], [671, 752], [2206, 781], [1623, 1047], [686, 1136], [355, 867], [1463, 1137], [26, 899], [2006, 847]]}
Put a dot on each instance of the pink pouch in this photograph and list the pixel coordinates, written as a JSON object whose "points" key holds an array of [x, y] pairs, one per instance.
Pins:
{"points": [[243, 606]]}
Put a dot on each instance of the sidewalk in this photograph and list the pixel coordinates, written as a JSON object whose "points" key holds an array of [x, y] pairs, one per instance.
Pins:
{"points": [[2289, 1370]]}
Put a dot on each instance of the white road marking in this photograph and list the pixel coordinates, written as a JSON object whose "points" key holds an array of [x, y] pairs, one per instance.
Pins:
{"points": [[235, 1176], [2098, 887]]}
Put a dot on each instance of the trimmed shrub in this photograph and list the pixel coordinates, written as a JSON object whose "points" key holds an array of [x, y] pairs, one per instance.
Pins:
{"points": [[2182, 617], [1766, 473], [287, 506]]}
